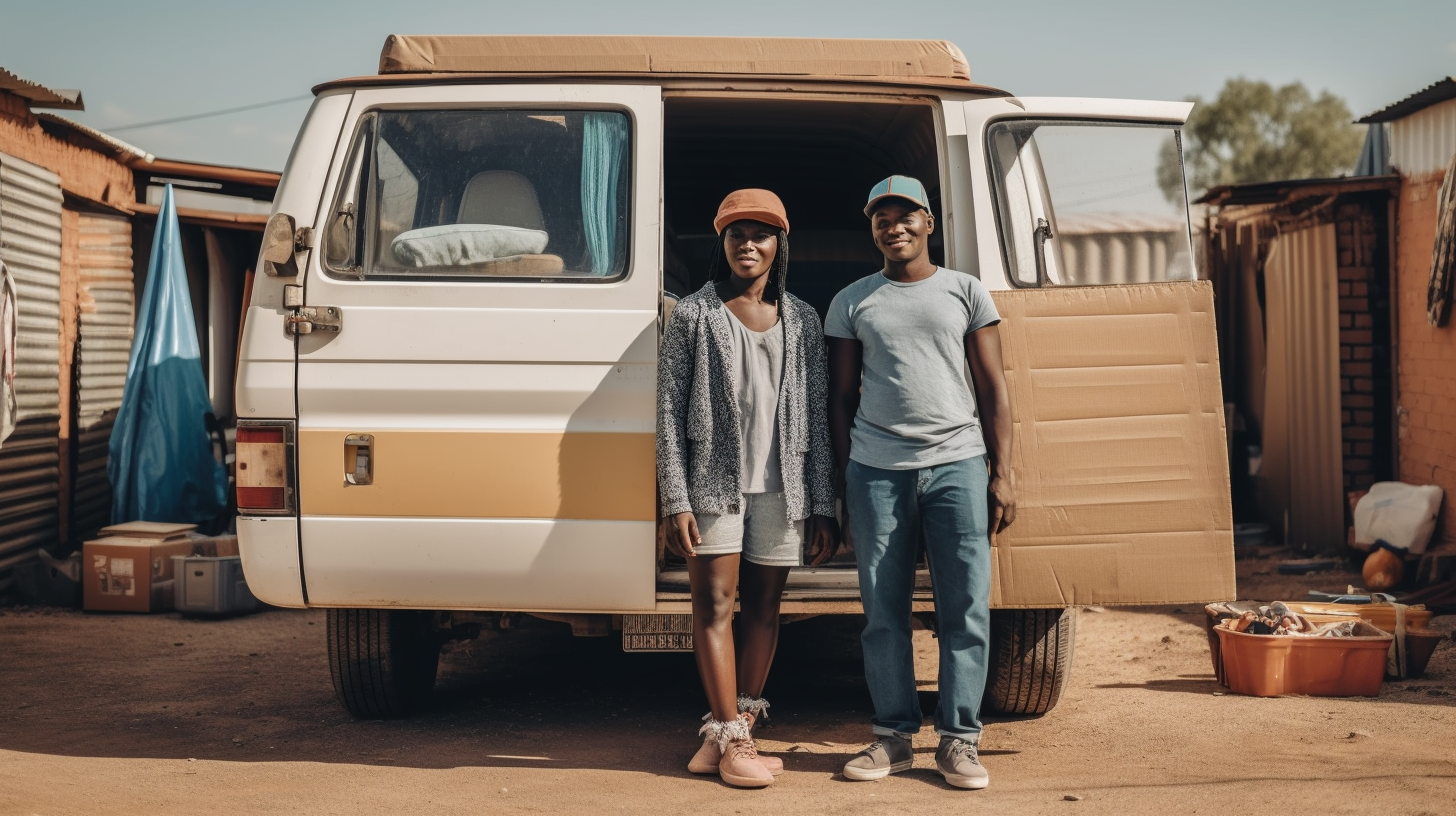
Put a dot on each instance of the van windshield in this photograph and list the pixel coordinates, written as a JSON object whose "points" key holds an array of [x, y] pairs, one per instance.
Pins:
{"points": [[454, 194]]}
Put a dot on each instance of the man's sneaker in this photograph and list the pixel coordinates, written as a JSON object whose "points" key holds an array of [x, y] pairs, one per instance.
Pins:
{"points": [[958, 762], [887, 755]]}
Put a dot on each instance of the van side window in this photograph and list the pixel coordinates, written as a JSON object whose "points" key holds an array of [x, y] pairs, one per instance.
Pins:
{"points": [[1082, 203], [483, 195]]}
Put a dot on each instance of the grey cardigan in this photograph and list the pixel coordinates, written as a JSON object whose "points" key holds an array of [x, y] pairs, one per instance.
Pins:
{"points": [[698, 438]]}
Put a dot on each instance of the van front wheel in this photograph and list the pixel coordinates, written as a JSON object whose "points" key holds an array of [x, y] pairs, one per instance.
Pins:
{"points": [[1031, 659], [383, 661]]}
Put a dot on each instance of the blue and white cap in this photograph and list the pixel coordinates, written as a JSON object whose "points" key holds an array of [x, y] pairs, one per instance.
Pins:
{"points": [[904, 187]]}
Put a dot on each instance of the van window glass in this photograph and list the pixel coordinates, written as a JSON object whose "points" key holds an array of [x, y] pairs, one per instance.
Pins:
{"points": [[483, 195], [1084, 203]]}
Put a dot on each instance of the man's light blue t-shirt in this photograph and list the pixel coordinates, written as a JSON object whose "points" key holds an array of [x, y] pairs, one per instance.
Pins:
{"points": [[917, 407]]}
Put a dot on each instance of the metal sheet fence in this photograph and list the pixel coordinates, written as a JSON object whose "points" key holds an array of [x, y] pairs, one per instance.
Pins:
{"points": [[30, 245], [103, 346]]}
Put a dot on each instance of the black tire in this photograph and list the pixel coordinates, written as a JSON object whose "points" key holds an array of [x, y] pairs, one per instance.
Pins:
{"points": [[1031, 659], [383, 661]]}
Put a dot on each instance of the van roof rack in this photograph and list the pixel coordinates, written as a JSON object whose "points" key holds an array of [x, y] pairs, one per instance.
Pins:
{"points": [[937, 60]]}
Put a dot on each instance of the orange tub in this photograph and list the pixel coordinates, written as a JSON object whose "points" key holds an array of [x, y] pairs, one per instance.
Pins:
{"points": [[1271, 665]]}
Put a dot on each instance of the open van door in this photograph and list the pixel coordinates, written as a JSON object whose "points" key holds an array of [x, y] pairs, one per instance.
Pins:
{"points": [[1120, 464], [477, 351]]}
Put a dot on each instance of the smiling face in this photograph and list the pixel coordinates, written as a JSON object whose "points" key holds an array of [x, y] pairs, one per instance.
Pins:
{"points": [[901, 229], [750, 247]]}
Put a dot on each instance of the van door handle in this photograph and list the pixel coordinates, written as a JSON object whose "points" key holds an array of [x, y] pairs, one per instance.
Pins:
{"points": [[362, 446]]}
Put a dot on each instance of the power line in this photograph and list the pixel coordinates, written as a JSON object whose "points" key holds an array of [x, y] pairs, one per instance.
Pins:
{"points": [[223, 112]]}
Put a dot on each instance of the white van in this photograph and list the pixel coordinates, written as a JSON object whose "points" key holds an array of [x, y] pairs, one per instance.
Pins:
{"points": [[448, 367]]}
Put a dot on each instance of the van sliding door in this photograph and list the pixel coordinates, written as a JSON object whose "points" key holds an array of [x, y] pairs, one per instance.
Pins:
{"points": [[478, 434], [1120, 463]]}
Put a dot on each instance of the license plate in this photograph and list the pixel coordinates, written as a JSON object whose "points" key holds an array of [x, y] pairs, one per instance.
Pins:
{"points": [[657, 633]]}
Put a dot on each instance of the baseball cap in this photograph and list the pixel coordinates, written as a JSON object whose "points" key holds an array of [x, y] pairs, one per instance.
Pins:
{"points": [[752, 204], [904, 187]]}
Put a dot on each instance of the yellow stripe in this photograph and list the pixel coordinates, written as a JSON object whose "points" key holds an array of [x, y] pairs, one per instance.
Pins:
{"points": [[483, 474]]}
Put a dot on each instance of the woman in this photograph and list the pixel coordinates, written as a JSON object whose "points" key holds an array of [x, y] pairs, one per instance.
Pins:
{"points": [[744, 466]]}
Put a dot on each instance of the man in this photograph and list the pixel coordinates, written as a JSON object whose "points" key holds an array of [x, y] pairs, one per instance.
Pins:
{"points": [[915, 465]]}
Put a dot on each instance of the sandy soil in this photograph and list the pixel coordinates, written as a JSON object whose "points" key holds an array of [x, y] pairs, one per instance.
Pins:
{"points": [[113, 714]]}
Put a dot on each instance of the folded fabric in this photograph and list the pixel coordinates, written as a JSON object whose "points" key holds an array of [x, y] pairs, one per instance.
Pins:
{"points": [[465, 244]]}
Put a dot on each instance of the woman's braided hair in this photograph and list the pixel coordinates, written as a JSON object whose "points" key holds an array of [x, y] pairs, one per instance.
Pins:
{"points": [[778, 276]]}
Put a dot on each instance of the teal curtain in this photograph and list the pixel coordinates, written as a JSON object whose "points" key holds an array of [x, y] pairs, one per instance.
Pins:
{"points": [[603, 155]]}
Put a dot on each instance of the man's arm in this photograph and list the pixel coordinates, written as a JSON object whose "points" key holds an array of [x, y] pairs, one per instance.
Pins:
{"points": [[845, 357], [993, 397]]}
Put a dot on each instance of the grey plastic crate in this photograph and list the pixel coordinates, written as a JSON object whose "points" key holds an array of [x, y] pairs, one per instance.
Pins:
{"points": [[211, 586]]}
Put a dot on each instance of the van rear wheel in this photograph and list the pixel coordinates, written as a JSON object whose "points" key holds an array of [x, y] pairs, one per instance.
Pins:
{"points": [[1031, 659], [383, 661]]}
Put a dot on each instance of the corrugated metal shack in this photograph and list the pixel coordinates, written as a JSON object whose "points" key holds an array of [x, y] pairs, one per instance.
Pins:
{"points": [[77, 209], [1302, 280], [1422, 138]]}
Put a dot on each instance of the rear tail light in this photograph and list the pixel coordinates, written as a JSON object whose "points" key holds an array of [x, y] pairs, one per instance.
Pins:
{"points": [[265, 467]]}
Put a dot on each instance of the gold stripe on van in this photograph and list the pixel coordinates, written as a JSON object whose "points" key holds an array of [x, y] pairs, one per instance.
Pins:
{"points": [[483, 474]]}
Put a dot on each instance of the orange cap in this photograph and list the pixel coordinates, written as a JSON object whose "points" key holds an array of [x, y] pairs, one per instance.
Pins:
{"points": [[755, 205]]}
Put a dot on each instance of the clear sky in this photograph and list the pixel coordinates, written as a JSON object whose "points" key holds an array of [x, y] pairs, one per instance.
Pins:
{"points": [[145, 60]]}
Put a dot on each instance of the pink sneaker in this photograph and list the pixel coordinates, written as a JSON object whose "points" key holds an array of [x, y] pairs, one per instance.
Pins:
{"points": [[738, 762]]}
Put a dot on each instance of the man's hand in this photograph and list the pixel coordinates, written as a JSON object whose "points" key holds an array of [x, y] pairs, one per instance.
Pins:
{"points": [[1003, 504], [822, 533], [682, 534]]}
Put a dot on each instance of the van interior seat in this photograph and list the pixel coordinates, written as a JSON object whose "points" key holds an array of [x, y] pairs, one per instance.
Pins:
{"points": [[502, 197]]}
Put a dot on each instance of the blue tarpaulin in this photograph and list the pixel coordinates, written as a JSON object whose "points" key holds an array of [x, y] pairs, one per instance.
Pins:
{"points": [[162, 467]]}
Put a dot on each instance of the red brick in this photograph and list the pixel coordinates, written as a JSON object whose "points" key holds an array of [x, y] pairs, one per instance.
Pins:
{"points": [[1345, 417], [1354, 304], [1345, 321], [1364, 417], [1362, 321], [1356, 370], [1344, 289], [1361, 352], [1357, 337], [1357, 401], [1364, 449], [1362, 384], [1359, 289], [1354, 273]]}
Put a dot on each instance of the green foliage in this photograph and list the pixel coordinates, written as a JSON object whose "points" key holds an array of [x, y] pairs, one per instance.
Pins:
{"points": [[1255, 132]]}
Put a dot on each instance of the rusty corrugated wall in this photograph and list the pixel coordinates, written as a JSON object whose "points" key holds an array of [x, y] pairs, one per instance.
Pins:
{"points": [[1303, 465], [30, 245], [103, 346]]}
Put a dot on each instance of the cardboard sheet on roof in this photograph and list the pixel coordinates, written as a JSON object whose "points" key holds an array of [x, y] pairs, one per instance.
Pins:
{"points": [[781, 56], [1121, 467]]}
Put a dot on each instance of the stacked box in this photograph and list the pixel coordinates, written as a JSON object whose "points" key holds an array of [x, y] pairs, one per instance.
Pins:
{"points": [[211, 585], [129, 568]]}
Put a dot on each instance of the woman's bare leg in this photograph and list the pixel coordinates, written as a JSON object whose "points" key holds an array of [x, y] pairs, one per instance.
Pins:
{"points": [[761, 589], [714, 582]]}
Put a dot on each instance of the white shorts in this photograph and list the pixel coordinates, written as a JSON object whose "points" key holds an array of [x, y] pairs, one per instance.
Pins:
{"points": [[762, 532]]}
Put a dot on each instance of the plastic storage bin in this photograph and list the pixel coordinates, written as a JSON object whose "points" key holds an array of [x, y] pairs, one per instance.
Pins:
{"points": [[211, 585], [1271, 665]]}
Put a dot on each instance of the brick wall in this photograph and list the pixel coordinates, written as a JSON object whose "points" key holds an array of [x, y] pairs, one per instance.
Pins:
{"points": [[1427, 363], [1365, 380]]}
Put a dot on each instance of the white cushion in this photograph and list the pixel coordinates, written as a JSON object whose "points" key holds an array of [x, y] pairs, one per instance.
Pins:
{"points": [[465, 244]]}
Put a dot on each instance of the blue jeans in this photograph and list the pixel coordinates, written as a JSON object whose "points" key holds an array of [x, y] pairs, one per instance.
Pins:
{"points": [[889, 511]]}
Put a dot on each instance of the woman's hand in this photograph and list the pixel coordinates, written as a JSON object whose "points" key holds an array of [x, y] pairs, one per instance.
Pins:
{"points": [[823, 537], [682, 534], [1003, 504]]}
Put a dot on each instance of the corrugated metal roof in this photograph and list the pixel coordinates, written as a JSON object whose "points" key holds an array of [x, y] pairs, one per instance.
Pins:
{"points": [[1272, 192], [1424, 98], [39, 95], [105, 138]]}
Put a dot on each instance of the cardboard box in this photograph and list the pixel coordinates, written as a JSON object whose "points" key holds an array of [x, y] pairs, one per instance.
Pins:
{"points": [[125, 574], [1120, 464], [220, 546], [147, 529]]}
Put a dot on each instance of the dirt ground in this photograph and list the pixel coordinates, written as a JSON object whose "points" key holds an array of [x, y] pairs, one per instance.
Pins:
{"points": [[115, 714]]}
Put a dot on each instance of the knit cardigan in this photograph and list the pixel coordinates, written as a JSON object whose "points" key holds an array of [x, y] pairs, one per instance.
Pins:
{"points": [[699, 441]]}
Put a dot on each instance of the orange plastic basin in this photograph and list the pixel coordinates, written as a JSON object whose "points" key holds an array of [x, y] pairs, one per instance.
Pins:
{"points": [[1271, 665]]}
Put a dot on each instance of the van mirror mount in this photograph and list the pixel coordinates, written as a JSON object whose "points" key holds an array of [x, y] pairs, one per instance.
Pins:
{"points": [[282, 241]]}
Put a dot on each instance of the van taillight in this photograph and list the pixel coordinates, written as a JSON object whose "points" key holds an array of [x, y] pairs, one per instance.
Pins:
{"points": [[265, 466]]}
